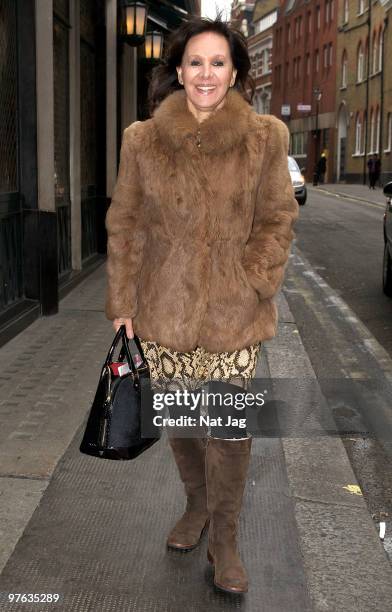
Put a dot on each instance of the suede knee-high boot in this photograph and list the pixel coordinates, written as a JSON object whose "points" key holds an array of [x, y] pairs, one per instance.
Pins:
{"points": [[227, 464], [189, 454]]}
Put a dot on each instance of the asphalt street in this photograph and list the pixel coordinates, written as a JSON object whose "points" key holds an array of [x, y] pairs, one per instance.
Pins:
{"points": [[334, 290], [342, 239]]}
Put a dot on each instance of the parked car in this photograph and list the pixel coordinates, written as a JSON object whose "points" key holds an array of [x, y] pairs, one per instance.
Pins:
{"points": [[387, 262], [298, 181]]}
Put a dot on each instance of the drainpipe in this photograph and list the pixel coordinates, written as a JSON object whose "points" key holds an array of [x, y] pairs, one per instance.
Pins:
{"points": [[382, 93], [369, 23]]}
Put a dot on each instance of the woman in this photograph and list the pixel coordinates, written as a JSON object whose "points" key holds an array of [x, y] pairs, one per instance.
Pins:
{"points": [[199, 233]]}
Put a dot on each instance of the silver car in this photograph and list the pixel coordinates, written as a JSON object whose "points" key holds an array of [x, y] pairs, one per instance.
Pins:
{"points": [[298, 181]]}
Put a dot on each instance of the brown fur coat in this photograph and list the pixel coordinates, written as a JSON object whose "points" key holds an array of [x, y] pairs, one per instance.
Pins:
{"points": [[200, 226]]}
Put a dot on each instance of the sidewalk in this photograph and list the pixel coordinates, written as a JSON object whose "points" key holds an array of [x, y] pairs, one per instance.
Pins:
{"points": [[355, 191], [94, 531]]}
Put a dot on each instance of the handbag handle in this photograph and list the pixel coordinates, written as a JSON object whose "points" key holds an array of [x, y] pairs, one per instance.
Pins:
{"points": [[135, 357]]}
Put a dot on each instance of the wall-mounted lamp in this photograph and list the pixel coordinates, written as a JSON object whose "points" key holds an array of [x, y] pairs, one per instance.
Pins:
{"points": [[153, 45], [133, 20]]}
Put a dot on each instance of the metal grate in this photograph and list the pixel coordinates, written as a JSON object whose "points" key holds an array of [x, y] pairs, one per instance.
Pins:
{"points": [[11, 272], [61, 139], [8, 97]]}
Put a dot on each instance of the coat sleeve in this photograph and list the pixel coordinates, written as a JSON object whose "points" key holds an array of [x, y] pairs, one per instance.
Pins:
{"points": [[276, 210], [125, 234]]}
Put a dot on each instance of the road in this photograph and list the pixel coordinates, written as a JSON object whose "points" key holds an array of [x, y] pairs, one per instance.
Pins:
{"points": [[343, 241], [333, 287]]}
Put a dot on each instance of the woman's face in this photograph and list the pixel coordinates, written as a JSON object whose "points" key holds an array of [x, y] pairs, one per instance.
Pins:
{"points": [[206, 72]]}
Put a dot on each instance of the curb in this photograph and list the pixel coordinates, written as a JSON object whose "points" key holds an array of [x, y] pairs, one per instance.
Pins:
{"points": [[346, 196], [344, 561]]}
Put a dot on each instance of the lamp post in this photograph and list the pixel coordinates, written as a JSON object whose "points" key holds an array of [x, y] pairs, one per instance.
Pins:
{"points": [[153, 45], [317, 94], [133, 22]]}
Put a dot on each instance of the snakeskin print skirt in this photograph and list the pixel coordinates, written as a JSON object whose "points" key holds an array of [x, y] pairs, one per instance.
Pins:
{"points": [[199, 366]]}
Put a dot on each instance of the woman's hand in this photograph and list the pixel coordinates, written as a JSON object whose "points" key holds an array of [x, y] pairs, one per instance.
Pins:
{"points": [[128, 326]]}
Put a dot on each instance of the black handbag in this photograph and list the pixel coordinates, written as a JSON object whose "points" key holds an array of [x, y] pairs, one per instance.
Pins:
{"points": [[114, 425]]}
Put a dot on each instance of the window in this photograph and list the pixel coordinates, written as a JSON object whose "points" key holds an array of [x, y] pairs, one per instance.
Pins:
{"points": [[365, 60], [317, 17], [266, 22], [327, 12], [345, 11], [316, 61], [298, 144], [361, 7], [344, 70], [325, 54], [259, 66], [389, 132], [253, 60], [332, 9], [375, 54], [358, 135], [372, 131], [288, 34], [364, 131], [330, 53], [360, 64], [265, 63], [307, 69], [380, 49]]}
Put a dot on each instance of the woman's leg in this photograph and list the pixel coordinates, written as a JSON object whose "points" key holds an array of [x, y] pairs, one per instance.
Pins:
{"points": [[227, 461], [171, 369]]}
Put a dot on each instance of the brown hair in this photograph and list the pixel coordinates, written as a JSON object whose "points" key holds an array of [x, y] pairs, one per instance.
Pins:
{"points": [[164, 78]]}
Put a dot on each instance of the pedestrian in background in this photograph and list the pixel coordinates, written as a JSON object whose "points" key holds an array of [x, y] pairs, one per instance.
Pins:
{"points": [[321, 168], [377, 169], [199, 234], [373, 169]]}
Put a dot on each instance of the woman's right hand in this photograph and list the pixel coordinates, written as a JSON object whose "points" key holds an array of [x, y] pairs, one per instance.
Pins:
{"points": [[128, 326]]}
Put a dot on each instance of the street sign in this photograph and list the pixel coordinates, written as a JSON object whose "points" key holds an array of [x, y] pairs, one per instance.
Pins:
{"points": [[305, 108], [286, 109]]}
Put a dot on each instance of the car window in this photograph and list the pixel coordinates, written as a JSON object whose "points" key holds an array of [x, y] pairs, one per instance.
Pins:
{"points": [[293, 166]]}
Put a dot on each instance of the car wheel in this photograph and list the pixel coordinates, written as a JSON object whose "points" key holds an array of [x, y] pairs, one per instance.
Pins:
{"points": [[387, 272]]}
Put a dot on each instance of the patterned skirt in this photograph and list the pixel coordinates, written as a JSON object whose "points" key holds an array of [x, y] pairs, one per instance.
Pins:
{"points": [[199, 366]]}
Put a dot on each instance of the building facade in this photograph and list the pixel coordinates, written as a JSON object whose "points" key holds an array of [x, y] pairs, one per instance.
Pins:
{"points": [[260, 50], [69, 85], [303, 82], [363, 89]]}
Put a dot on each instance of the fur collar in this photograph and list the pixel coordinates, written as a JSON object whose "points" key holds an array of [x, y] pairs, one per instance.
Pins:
{"points": [[222, 130]]}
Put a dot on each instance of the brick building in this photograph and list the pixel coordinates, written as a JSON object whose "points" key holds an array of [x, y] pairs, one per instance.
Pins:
{"points": [[304, 76], [364, 89], [260, 50]]}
